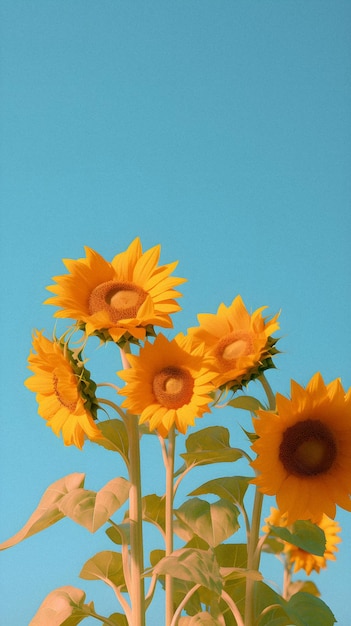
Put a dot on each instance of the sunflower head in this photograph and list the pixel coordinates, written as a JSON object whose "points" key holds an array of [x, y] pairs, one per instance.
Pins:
{"points": [[167, 384], [120, 301], [238, 345], [297, 558], [64, 390], [304, 450]]}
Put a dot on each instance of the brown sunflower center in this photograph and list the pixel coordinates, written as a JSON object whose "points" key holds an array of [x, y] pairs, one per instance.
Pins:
{"points": [[62, 395], [308, 448], [233, 346], [173, 387], [121, 300]]}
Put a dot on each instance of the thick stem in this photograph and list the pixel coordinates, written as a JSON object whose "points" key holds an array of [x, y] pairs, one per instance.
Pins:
{"points": [[169, 521], [135, 514], [253, 550], [253, 557], [136, 531]]}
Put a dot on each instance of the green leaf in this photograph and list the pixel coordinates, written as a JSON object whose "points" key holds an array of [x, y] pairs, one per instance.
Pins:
{"points": [[248, 403], [115, 437], [92, 509], [210, 445], [106, 566], [231, 555], [232, 488], [118, 619], [196, 566], [305, 609], [62, 607], [119, 534], [48, 511], [200, 618], [153, 510], [212, 522], [303, 585], [156, 556], [304, 535]]}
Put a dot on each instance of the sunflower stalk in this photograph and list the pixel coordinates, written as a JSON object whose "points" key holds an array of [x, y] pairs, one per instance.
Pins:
{"points": [[169, 521], [253, 549], [135, 514]]}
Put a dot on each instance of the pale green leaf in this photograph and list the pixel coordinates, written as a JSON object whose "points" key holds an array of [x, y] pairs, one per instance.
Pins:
{"points": [[303, 585], [213, 523], [210, 445], [232, 555], [200, 619], [304, 535], [115, 437], [92, 509], [48, 511], [62, 607], [232, 488], [118, 619], [248, 403], [197, 566], [119, 533], [153, 510], [106, 566]]}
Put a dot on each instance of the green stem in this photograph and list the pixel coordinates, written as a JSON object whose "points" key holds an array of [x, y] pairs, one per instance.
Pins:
{"points": [[253, 551], [136, 531], [135, 515], [169, 521]]}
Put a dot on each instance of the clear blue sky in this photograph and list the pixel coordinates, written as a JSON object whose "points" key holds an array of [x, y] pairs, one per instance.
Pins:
{"points": [[221, 130]]}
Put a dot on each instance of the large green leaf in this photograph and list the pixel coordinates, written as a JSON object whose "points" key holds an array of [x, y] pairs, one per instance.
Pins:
{"points": [[210, 445], [197, 566], [92, 509], [303, 609], [48, 511], [304, 535], [213, 523], [115, 437], [106, 566], [62, 607], [232, 488]]}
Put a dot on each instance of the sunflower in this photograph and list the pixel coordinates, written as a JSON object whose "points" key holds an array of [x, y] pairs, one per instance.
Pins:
{"points": [[304, 450], [123, 298], [300, 559], [167, 384], [238, 345], [65, 393]]}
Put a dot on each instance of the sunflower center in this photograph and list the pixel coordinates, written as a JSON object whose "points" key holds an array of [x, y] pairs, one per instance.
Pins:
{"points": [[308, 448], [121, 300], [62, 394], [173, 387], [234, 346]]}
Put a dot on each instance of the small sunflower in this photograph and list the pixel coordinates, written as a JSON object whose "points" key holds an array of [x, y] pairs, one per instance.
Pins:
{"points": [[167, 384], [65, 393], [126, 297], [238, 345], [300, 559], [304, 450]]}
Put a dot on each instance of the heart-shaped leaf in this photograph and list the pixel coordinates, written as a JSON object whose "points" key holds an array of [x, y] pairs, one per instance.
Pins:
{"points": [[48, 511], [63, 606], [304, 535], [213, 523], [92, 509], [115, 437], [197, 566], [106, 566], [210, 445], [232, 488]]}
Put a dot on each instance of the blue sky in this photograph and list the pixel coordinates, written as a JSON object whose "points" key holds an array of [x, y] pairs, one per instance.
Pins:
{"points": [[220, 130]]}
